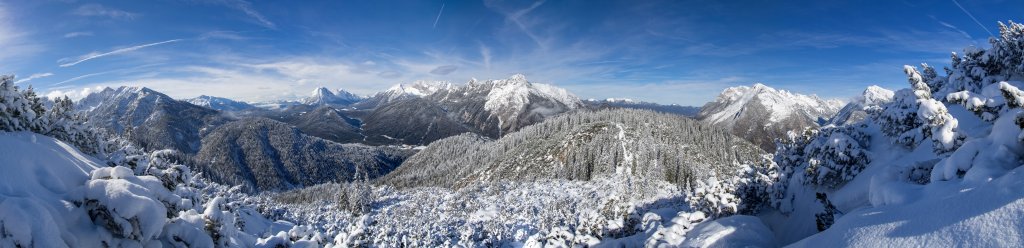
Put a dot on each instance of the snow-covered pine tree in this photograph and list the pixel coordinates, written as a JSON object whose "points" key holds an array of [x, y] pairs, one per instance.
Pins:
{"points": [[15, 110], [37, 121]]}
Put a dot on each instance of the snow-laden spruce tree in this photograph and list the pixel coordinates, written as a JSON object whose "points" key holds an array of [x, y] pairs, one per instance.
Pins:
{"points": [[16, 112]]}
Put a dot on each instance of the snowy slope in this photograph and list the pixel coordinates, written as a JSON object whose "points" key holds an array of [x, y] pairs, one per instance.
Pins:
{"points": [[39, 172], [937, 166]]}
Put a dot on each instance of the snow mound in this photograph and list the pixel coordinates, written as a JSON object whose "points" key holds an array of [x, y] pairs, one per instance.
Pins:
{"points": [[732, 231], [986, 215]]}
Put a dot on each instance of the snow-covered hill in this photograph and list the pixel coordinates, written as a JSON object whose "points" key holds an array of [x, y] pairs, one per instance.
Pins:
{"points": [[762, 114]]}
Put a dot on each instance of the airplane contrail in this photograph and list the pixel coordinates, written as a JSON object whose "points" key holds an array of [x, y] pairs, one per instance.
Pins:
{"points": [[439, 15], [114, 52], [972, 18]]}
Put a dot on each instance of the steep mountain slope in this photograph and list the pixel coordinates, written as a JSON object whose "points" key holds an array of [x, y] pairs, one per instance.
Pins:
{"points": [[150, 118], [264, 154], [221, 104], [762, 114], [331, 124], [411, 120], [581, 146], [323, 96], [857, 110], [688, 111]]}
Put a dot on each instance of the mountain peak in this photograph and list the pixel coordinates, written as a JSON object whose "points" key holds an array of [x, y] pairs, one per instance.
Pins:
{"points": [[874, 95], [324, 96]]}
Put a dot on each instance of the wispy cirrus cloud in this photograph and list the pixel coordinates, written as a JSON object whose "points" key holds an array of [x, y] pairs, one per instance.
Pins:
{"points": [[77, 34], [247, 8], [68, 62], [97, 10], [33, 76]]}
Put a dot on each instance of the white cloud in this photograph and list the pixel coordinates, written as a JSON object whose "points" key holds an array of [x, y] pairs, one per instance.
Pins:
{"points": [[97, 10], [444, 70], [77, 34], [66, 62], [33, 76], [74, 94], [247, 8]]}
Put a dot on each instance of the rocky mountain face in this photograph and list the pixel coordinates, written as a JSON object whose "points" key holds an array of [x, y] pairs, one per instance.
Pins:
{"points": [[688, 111], [264, 154], [150, 118], [331, 124], [580, 146], [412, 120], [762, 114]]}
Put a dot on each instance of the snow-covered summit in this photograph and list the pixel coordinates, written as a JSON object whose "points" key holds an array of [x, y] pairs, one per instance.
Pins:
{"points": [[514, 93], [874, 95], [417, 88], [219, 103], [762, 114], [733, 101], [324, 96]]}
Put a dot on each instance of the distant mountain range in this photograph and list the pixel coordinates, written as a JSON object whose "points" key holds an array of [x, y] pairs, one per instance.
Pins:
{"points": [[236, 139]]}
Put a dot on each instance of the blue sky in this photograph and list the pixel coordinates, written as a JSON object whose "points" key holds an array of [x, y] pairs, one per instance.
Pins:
{"points": [[682, 52]]}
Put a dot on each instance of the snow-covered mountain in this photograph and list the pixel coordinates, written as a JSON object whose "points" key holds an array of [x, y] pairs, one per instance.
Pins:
{"points": [[500, 106], [323, 96], [857, 110], [220, 103], [424, 112], [155, 120], [419, 88], [762, 114]]}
